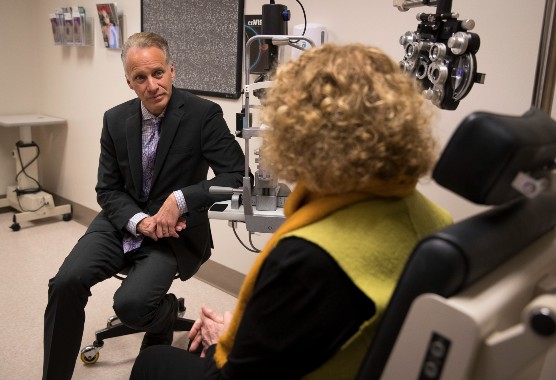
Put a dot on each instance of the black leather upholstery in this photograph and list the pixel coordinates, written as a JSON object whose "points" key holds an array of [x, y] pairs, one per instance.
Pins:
{"points": [[487, 150], [479, 163]]}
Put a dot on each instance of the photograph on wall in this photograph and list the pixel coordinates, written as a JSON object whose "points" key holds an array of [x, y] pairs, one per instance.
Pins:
{"points": [[110, 25]]}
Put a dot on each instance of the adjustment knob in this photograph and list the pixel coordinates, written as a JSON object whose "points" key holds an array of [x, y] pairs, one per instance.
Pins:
{"points": [[433, 94], [458, 43], [286, 15], [407, 38], [468, 24], [543, 321]]}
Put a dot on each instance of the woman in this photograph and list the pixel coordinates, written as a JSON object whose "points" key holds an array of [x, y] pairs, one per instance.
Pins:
{"points": [[351, 130]]}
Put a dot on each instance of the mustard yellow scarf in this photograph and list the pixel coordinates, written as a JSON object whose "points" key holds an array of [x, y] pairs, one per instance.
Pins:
{"points": [[302, 208]]}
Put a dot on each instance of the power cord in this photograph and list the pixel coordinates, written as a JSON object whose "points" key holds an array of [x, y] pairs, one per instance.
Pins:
{"points": [[23, 171], [20, 145], [253, 248], [304, 17]]}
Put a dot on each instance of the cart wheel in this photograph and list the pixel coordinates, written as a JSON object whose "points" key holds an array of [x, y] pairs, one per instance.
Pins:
{"points": [[66, 217], [89, 355], [15, 227]]}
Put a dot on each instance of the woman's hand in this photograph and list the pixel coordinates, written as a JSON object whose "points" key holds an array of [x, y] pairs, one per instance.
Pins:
{"points": [[208, 328]]}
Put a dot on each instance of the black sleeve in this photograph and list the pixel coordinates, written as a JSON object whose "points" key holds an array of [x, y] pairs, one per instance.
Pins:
{"points": [[303, 308], [112, 195], [223, 154]]}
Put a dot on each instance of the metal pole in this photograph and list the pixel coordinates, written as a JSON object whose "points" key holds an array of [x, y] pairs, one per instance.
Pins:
{"points": [[405, 5], [545, 77], [443, 6]]}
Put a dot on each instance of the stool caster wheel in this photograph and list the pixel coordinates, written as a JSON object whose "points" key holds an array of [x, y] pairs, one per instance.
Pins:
{"points": [[66, 217], [89, 359], [15, 227], [90, 354]]}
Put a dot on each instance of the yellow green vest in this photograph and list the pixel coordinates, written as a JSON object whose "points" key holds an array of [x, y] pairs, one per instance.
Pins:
{"points": [[371, 242]]}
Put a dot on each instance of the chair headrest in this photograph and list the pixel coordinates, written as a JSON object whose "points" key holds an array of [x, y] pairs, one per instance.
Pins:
{"points": [[487, 151]]}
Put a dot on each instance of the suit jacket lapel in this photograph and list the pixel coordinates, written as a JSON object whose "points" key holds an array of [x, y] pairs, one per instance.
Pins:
{"points": [[133, 138], [168, 129]]}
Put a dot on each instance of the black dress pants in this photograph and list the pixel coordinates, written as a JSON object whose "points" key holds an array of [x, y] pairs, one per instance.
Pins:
{"points": [[168, 363], [140, 302]]}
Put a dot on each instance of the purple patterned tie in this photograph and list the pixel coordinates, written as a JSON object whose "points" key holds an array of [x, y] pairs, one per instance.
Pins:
{"points": [[149, 155], [150, 141]]}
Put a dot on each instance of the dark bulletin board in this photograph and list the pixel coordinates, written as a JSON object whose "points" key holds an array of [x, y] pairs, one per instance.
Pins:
{"points": [[206, 40]]}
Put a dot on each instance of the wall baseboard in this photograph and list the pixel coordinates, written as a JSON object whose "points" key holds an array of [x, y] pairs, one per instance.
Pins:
{"points": [[221, 277]]}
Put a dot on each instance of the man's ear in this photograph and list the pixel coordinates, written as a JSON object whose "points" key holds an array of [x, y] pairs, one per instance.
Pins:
{"points": [[128, 82]]}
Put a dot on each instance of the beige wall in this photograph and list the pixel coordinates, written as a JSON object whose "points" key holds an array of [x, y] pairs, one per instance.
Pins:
{"points": [[80, 83]]}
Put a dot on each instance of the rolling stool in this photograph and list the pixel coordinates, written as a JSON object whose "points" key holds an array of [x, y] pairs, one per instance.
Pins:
{"points": [[115, 328]]}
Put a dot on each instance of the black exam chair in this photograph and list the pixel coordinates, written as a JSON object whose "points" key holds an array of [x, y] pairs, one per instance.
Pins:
{"points": [[115, 328], [476, 300]]}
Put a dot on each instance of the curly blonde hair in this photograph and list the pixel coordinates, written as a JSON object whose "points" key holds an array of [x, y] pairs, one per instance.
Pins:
{"points": [[346, 118]]}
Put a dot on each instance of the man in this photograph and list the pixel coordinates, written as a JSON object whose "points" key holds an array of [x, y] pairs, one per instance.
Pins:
{"points": [[153, 190]]}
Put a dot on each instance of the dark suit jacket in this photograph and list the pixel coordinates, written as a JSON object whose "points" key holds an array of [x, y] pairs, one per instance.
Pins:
{"points": [[193, 137]]}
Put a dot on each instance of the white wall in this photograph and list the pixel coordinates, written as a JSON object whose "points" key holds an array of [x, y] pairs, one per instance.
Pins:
{"points": [[19, 76], [80, 83]]}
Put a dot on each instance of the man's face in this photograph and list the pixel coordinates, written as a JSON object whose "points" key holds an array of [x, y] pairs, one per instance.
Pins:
{"points": [[148, 74]]}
